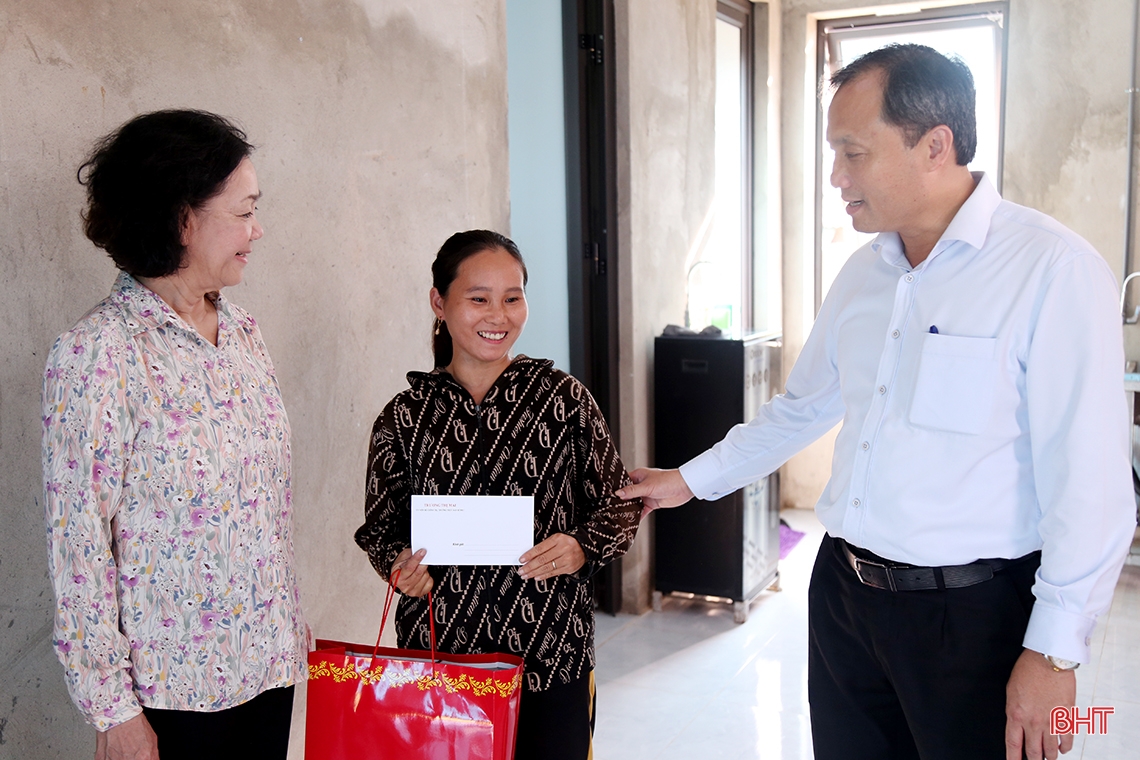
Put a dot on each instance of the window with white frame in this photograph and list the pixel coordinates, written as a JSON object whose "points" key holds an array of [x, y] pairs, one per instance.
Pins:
{"points": [[973, 33], [719, 280]]}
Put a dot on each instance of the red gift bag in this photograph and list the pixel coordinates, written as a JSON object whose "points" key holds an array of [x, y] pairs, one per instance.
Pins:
{"points": [[410, 704]]}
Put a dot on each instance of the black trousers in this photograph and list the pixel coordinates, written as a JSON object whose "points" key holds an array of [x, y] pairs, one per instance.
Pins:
{"points": [[557, 724], [258, 728], [912, 674]]}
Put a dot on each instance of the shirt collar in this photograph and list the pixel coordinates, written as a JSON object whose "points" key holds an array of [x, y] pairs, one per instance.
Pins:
{"points": [[144, 310], [970, 225], [521, 364], [972, 222]]}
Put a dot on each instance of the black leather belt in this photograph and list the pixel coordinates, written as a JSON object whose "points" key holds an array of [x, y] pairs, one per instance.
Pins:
{"points": [[894, 576]]}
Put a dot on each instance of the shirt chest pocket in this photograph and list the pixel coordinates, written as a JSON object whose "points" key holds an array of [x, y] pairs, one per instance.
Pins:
{"points": [[956, 381]]}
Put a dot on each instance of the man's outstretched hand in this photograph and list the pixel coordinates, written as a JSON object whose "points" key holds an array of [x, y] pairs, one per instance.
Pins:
{"points": [[656, 489]]}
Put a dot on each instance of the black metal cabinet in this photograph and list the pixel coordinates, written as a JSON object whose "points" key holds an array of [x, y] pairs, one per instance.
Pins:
{"points": [[728, 548]]}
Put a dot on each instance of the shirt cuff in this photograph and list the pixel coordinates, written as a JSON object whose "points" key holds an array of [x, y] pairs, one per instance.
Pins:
{"points": [[115, 715], [1059, 633], [702, 475]]}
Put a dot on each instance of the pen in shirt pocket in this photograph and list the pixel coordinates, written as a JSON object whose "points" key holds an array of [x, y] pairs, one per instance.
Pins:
{"points": [[933, 330]]}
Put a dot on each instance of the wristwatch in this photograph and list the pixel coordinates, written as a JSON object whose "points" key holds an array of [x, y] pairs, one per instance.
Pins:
{"points": [[1060, 665]]}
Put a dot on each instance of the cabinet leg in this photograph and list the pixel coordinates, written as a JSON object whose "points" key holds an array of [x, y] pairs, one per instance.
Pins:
{"points": [[656, 601], [740, 612]]}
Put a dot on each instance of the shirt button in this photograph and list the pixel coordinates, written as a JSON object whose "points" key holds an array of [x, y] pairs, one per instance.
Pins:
{"points": [[895, 334], [882, 389], [910, 278], [855, 503], [866, 445]]}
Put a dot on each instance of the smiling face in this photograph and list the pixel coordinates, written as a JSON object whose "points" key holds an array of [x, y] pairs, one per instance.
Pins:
{"points": [[219, 236], [879, 177], [484, 309]]}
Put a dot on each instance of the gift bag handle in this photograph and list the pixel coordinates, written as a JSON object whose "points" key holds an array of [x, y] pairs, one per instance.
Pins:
{"points": [[384, 619]]}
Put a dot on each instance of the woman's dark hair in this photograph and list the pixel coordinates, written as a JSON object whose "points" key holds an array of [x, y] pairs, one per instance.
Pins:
{"points": [[143, 178], [457, 249], [921, 90]]}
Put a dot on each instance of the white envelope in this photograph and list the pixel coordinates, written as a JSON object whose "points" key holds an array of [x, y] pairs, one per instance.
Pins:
{"points": [[472, 530]]}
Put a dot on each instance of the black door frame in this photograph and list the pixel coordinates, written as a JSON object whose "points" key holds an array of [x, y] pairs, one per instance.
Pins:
{"points": [[591, 129]]}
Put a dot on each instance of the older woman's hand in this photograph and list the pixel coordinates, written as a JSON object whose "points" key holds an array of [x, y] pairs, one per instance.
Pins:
{"points": [[558, 555], [414, 579], [131, 740]]}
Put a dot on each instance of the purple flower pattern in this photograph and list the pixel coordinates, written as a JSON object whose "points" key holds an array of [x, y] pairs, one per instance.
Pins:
{"points": [[169, 523]]}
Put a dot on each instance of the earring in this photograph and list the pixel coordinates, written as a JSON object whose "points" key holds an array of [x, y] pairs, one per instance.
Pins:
{"points": [[438, 322]]}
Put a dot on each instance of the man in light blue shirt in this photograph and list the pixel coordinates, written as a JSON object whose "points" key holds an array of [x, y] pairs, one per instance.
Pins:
{"points": [[980, 504]]}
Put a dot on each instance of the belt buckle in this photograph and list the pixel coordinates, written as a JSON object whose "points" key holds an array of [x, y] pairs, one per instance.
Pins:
{"points": [[859, 562]]}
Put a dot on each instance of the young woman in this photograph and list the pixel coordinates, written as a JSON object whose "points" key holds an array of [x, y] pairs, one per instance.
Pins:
{"points": [[485, 423]]}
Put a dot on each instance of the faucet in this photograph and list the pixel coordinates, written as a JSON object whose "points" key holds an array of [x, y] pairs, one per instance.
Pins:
{"points": [[1123, 290]]}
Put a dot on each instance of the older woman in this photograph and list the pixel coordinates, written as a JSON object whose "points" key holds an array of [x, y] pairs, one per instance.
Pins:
{"points": [[167, 465]]}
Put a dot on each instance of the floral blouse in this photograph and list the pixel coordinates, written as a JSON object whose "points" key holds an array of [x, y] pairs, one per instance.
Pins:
{"points": [[166, 477]]}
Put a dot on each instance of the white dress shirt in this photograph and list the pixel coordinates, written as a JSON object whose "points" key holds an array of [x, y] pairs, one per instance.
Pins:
{"points": [[981, 395]]}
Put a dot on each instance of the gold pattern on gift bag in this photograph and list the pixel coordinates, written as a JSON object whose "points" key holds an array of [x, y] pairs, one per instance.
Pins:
{"points": [[326, 669]]}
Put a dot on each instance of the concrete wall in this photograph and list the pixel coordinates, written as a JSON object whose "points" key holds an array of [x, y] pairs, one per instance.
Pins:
{"points": [[382, 128], [666, 81], [1065, 139]]}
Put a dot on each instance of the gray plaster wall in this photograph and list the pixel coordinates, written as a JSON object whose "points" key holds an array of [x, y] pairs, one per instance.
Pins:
{"points": [[666, 80], [381, 128], [1065, 150]]}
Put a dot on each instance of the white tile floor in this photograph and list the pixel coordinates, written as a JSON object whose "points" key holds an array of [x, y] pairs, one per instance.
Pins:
{"points": [[688, 682]]}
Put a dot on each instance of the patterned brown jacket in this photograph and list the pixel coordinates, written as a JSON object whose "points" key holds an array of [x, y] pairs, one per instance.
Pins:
{"points": [[537, 432]]}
